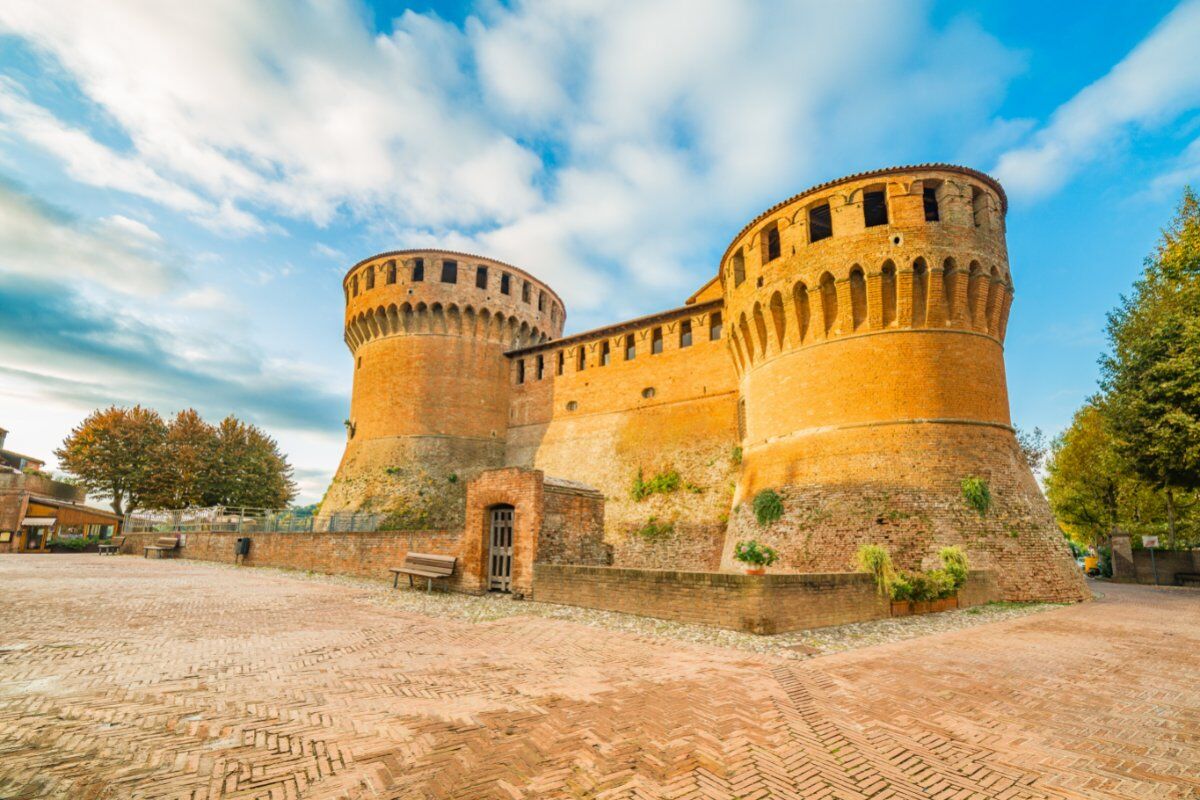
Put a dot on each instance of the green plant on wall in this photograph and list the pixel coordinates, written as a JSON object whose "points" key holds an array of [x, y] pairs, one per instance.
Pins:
{"points": [[768, 506], [735, 455], [755, 554], [954, 562], [653, 529], [874, 559], [663, 482], [975, 491]]}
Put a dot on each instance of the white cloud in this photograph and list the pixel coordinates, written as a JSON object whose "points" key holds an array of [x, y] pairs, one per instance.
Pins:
{"points": [[122, 254], [1159, 79]]}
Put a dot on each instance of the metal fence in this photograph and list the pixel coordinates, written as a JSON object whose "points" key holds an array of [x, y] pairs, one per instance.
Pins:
{"points": [[247, 520]]}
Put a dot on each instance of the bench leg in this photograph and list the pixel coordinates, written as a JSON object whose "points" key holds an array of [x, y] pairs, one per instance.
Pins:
{"points": [[410, 581], [395, 580], [428, 585]]}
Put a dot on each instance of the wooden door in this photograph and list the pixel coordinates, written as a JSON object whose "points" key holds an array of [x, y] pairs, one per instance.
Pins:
{"points": [[500, 551]]}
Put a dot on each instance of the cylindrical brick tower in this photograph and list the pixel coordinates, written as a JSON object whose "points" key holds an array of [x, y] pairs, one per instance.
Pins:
{"points": [[428, 330], [867, 322]]}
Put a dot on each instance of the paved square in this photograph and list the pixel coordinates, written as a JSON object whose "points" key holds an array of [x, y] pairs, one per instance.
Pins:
{"points": [[121, 677]]}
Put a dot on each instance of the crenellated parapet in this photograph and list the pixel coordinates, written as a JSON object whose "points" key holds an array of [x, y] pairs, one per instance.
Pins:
{"points": [[410, 292], [899, 249]]}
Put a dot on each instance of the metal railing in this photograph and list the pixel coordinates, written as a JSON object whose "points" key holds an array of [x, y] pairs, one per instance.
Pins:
{"points": [[247, 520]]}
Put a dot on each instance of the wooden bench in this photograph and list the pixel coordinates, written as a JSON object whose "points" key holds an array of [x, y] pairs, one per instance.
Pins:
{"points": [[162, 545], [1188, 578], [424, 565], [112, 546]]}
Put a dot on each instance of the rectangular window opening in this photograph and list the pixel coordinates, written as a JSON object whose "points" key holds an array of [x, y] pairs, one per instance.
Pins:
{"points": [[685, 333], [932, 213], [541, 367], [418, 269], [874, 209], [820, 223], [582, 362], [714, 326], [656, 341], [505, 283], [481, 277], [605, 354], [520, 370], [449, 272], [525, 292], [630, 348], [562, 358]]}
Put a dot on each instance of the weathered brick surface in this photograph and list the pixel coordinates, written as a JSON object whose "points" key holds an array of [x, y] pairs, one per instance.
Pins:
{"points": [[126, 678], [1137, 566], [696, 546], [754, 603], [866, 363]]}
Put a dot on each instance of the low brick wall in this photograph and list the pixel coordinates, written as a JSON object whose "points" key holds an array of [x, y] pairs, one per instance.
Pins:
{"points": [[1137, 567], [696, 546], [758, 604], [366, 555]]}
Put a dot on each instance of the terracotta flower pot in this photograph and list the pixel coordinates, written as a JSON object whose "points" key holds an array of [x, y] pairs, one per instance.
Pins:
{"points": [[901, 608], [756, 570]]}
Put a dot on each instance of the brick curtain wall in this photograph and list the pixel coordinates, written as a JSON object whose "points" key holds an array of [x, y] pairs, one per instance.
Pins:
{"points": [[688, 547], [758, 604], [1169, 562], [365, 555]]}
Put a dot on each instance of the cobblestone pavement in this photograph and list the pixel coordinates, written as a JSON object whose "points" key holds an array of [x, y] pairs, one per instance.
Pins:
{"points": [[121, 677]]}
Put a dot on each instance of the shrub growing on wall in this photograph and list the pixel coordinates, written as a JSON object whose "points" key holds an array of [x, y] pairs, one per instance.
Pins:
{"points": [[661, 483], [768, 506], [755, 554], [975, 491], [874, 559]]}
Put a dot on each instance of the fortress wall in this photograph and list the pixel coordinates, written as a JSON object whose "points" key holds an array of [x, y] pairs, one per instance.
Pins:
{"points": [[596, 426]]}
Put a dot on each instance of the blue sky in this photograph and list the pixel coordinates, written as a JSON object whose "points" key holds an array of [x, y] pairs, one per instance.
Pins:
{"points": [[183, 185]]}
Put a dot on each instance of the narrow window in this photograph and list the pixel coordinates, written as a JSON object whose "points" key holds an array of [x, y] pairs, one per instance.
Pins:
{"points": [[858, 298], [520, 370], [772, 243], [820, 223], [505, 283], [370, 277], [978, 206], [605, 354], [582, 363], [920, 292], [449, 272], [887, 281], [525, 293], [714, 326], [739, 268], [541, 367], [354, 283], [481, 277], [685, 333], [874, 209], [562, 358], [656, 341], [931, 204], [541, 300], [630, 347], [418, 269], [391, 271]]}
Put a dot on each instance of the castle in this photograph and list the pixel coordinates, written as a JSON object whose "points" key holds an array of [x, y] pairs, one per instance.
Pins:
{"points": [[847, 356]]}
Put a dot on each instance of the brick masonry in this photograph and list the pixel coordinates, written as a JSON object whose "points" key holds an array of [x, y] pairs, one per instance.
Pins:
{"points": [[838, 371], [1136, 566], [763, 604]]}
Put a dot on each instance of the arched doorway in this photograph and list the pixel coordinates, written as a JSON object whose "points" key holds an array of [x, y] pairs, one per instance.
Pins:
{"points": [[500, 548]]}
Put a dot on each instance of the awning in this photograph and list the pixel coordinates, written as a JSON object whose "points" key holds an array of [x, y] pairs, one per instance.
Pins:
{"points": [[38, 522]]}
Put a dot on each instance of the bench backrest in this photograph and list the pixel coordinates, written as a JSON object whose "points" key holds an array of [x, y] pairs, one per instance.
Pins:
{"points": [[429, 562], [167, 541], [117, 542]]}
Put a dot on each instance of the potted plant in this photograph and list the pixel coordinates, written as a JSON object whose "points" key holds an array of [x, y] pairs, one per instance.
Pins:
{"points": [[757, 557]]}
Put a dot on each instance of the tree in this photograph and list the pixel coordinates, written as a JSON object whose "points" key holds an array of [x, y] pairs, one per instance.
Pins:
{"points": [[1083, 477], [1033, 447], [248, 469], [113, 453], [185, 463], [1152, 370]]}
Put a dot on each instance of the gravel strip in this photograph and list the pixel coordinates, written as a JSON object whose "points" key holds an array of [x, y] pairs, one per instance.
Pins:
{"points": [[796, 645]]}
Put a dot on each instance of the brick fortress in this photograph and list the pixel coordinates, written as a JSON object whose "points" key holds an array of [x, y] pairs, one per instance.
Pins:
{"points": [[847, 355]]}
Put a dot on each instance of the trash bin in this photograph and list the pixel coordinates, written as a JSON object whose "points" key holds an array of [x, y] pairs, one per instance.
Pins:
{"points": [[242, 548]]}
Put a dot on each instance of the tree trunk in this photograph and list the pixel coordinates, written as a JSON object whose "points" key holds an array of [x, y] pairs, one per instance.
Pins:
{"points": [[1170, 518], [116, 505]]}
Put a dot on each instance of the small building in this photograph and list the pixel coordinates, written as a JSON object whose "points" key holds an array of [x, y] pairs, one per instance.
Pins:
{"points": [[35, 509]]}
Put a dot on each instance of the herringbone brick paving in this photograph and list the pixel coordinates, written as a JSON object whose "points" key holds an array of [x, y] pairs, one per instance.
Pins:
{"points": [[123, 677]]}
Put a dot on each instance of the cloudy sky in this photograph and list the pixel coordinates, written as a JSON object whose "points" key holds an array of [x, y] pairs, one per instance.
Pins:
{"points": [[183, 184]]}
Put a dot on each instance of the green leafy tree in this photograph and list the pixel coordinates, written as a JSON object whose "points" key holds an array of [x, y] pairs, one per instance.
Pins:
{"points": [[1083, 476], [1152, 370], [185, 463], [114, 453], [249, 469]]}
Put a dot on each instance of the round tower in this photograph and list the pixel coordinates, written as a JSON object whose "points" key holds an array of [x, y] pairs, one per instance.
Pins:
{"points": [[428, 330], [867, 322]]}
